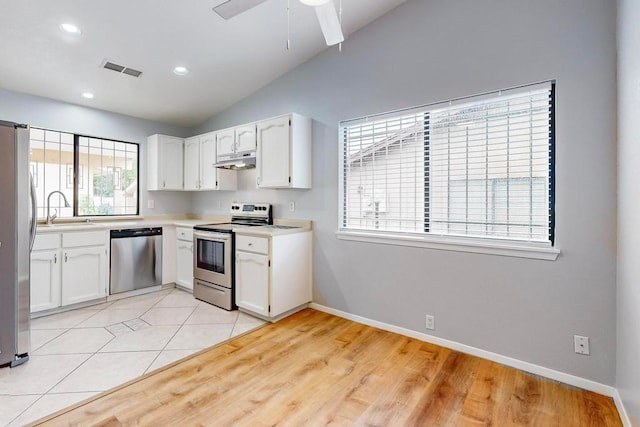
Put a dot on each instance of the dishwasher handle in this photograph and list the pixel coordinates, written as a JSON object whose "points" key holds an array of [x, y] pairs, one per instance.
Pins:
{"points": [[136, 232]]}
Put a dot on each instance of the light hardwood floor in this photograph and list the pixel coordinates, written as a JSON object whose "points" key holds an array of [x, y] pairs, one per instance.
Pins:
{"points": [[317, 369]]}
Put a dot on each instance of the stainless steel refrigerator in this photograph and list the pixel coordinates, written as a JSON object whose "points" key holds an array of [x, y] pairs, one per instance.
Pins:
{"points": [[17, 233]]}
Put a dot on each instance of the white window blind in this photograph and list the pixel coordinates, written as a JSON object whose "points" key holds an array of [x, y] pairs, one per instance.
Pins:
{"points": [[479, 166]]}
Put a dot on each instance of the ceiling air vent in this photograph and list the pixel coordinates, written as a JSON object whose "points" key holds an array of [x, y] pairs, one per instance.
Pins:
{"points": [[121, 69]]}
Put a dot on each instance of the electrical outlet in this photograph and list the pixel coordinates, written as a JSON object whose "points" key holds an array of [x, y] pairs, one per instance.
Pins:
{"points": [[430, 322], [292, 206], [581, 344], [151, 204], [218, 204]]}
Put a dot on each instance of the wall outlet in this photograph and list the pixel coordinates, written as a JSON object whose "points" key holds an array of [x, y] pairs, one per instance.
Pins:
{"points": [[218, 204], [151, 204], [292, 206], [430, 322], [581, 344]]}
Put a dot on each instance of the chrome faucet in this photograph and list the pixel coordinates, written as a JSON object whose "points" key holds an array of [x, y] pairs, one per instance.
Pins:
{"points": [[50, 217]]}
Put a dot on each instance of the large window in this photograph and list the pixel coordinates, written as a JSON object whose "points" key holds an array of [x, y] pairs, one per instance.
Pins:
{"points": [[479, 167], [99, 177]]}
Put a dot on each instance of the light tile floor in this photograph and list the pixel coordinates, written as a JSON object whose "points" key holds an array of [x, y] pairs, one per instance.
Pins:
{"points": [[80, 353]]}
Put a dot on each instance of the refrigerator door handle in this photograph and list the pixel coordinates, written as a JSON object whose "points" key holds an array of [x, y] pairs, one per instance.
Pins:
{"points": [[34, 214]]}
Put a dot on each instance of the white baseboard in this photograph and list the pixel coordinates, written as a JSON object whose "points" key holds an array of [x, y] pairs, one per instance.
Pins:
{"points": [[624, 416], [573, 380]]}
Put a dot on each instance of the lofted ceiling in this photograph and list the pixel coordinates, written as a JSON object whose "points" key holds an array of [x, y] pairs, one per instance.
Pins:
{"points": [[227, 60]]}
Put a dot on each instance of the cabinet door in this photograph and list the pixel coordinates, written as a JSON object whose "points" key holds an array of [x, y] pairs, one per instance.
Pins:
{"points": [[273, 154], [84, 274], [207, 159], [171, 165], [184, 264], [246, 138], [252, 282], [192, 164], [225, 142], [45, 280]]}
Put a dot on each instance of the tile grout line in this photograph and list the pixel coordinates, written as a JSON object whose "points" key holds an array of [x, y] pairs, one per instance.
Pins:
{"points": [[172, 337], [25, 409], [48, 392], [73, 370], [143, 313], [47, 342]]}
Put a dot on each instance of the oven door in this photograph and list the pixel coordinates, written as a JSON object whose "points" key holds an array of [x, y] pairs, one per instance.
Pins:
{"points": [[212, 257]]}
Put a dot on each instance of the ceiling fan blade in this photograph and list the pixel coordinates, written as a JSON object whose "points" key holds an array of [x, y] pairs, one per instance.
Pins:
{"points": [[330, 23], [231, 8]]}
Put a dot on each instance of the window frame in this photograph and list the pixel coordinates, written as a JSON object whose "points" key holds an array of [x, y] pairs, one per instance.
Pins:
{"points": [[76, 168], [474, 244]]}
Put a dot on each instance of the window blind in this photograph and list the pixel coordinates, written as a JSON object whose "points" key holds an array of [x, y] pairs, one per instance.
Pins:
{"points": [[480, 166]]}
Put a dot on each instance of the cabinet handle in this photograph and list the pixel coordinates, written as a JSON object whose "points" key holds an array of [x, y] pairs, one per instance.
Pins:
{"points": [[232, 147], [55, 258], [164, 184], [250, 244], [258, 182], [65, 257]]}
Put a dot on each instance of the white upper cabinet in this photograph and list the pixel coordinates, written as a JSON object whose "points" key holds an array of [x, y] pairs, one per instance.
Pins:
{"points": [[225, 142], [208, 173], [199, 172], [284, 152], [238, 140], [245, 138], [165, 162], [192, 163]]}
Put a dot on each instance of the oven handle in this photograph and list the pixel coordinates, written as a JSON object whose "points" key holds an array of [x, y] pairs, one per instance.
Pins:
{"points": [[212, 236]]}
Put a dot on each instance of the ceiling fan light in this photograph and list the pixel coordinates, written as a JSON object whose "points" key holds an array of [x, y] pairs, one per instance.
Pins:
{"points": [[314, 2]]}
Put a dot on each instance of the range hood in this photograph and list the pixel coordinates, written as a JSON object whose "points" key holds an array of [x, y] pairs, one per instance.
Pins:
{"points": [[237, 161]]}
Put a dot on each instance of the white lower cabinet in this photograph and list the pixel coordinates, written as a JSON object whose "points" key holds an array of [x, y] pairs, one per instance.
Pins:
{"points": [[84, 274], [184, 257], [273, 274], [252, 282], [68, 268], [45, 280]]}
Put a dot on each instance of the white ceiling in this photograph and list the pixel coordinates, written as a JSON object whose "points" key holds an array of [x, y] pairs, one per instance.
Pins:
{"points": [[228, 60]]}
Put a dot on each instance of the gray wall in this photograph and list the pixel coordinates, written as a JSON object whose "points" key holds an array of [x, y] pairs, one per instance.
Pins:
{"points": [[51, 114], [628, 352], [427, 51]]}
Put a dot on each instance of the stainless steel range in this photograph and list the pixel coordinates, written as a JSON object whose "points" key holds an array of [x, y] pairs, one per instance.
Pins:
{"points": [[213, 255]]}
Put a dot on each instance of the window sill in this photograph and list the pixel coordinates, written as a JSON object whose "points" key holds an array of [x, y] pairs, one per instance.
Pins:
{"points": [[458, 244]]}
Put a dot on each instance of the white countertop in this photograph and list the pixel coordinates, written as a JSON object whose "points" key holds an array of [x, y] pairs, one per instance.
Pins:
{"points": [[66, 226], [135, 223]]}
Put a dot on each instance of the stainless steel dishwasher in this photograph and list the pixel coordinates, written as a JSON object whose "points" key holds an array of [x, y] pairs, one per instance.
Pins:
{"points": [[136, 259]]}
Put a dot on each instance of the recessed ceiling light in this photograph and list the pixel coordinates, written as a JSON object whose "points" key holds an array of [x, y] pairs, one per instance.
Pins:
{"points": [[70, 29], [87, 95], [181, 71]]}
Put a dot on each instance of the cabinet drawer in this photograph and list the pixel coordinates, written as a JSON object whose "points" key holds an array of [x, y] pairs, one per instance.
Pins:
{"points": [[213, 294], [46, 241], [252, 244], [183, 233], [93, 238]]}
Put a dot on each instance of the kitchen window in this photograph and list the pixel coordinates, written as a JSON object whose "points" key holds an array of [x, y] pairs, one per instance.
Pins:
{"points": [[475, 172], [98, 176]]}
